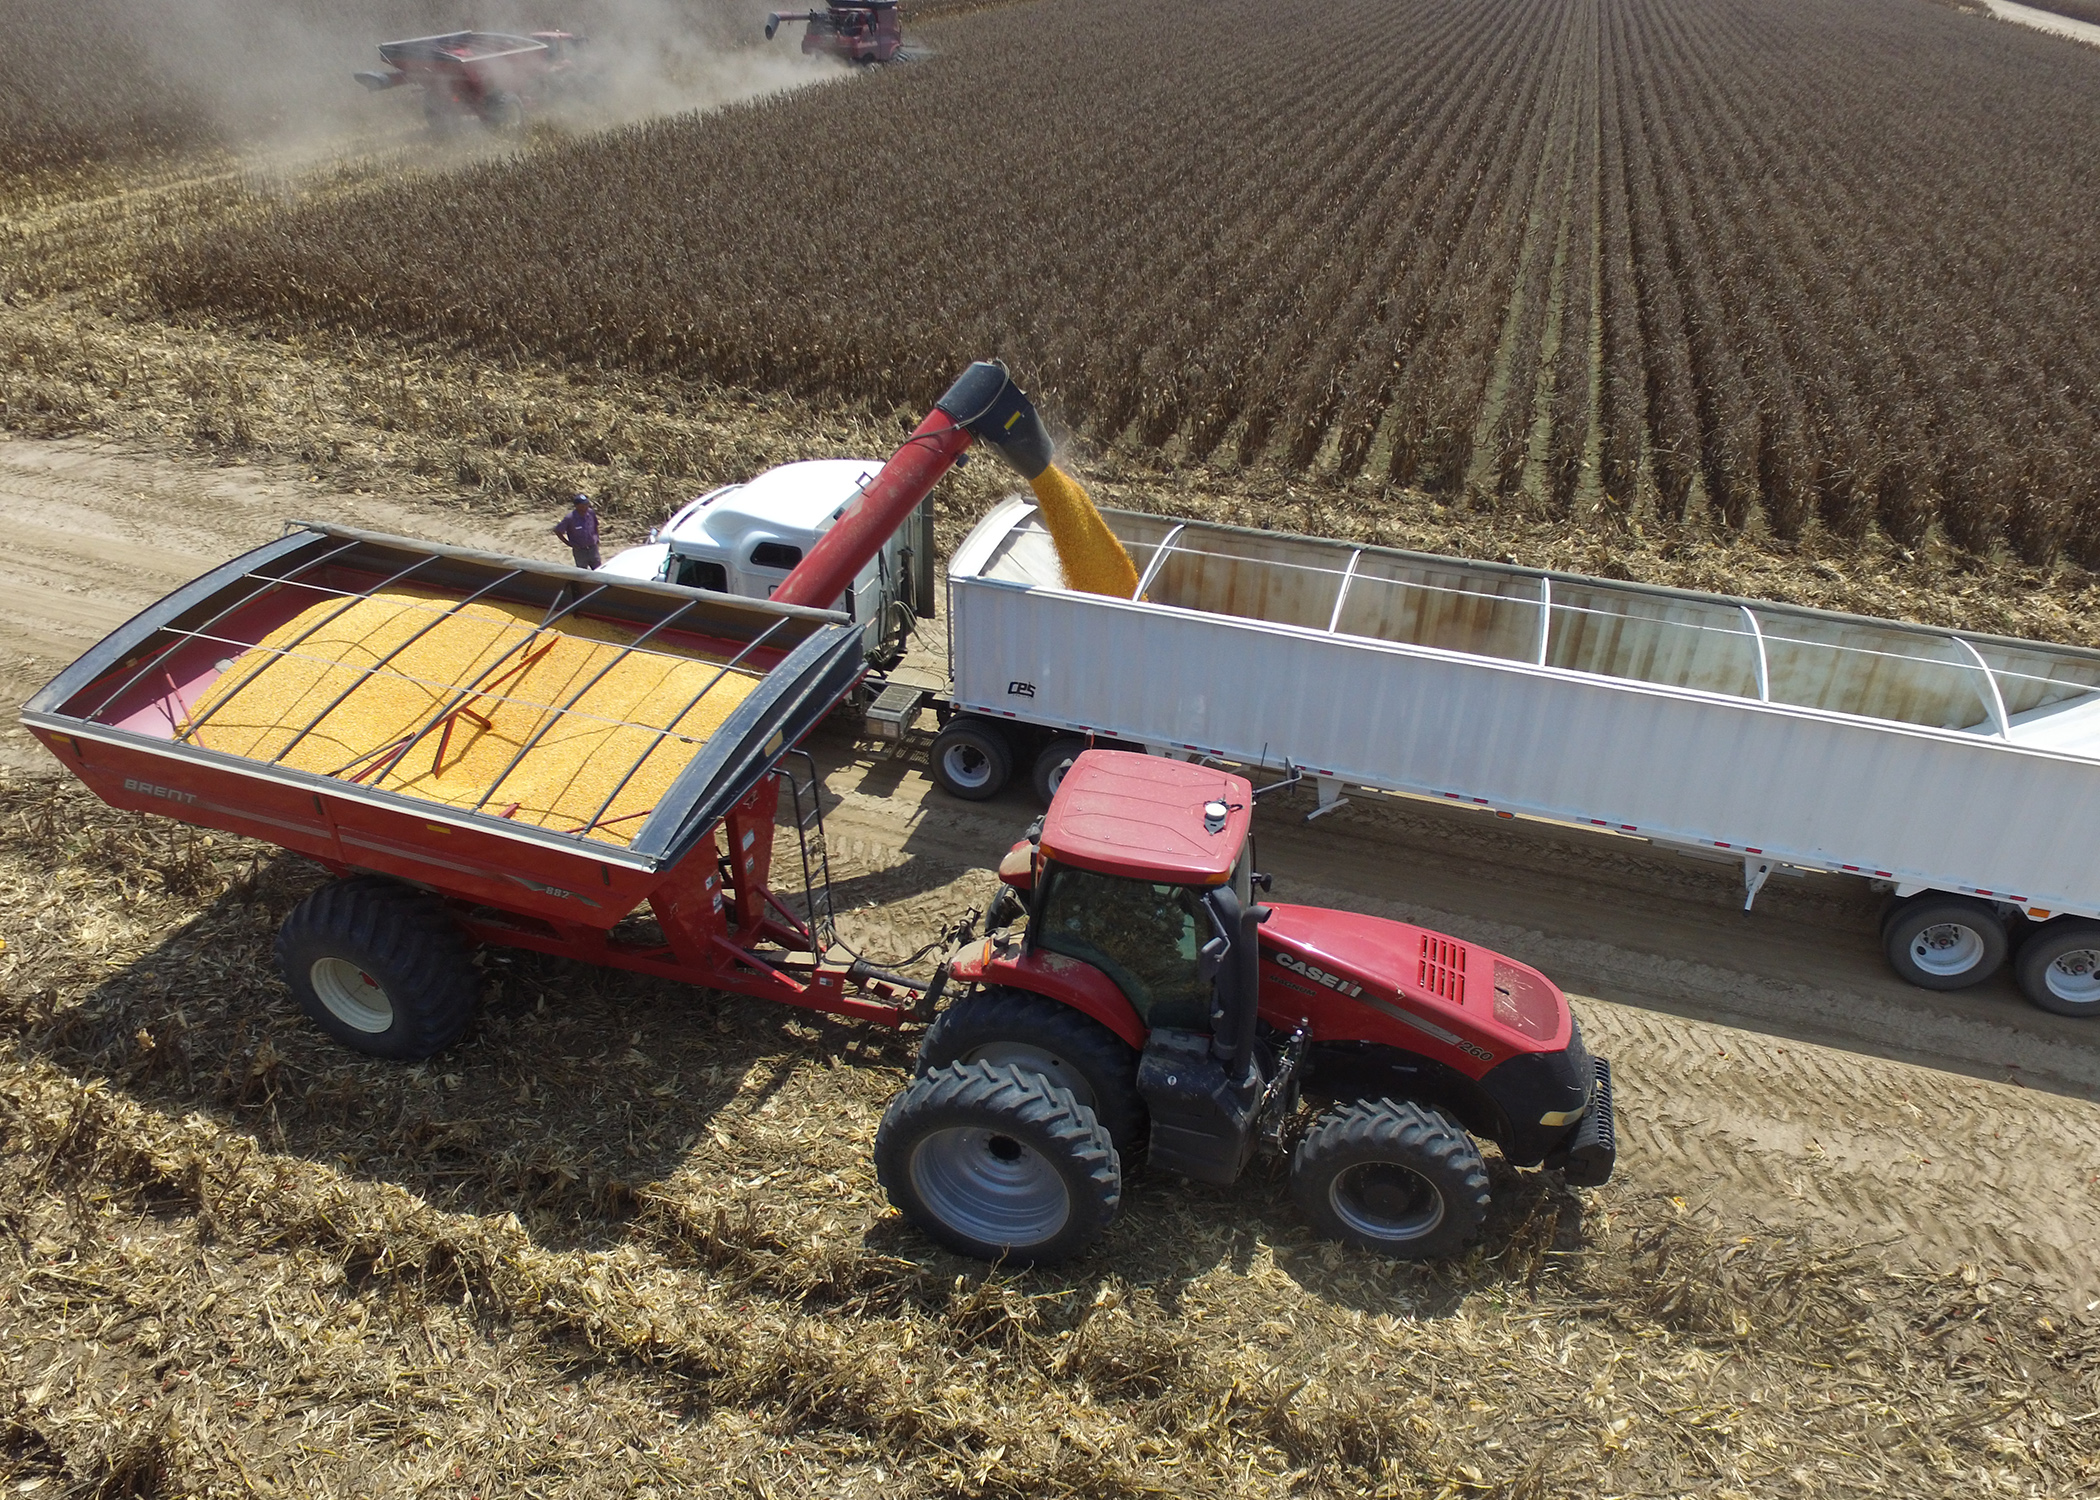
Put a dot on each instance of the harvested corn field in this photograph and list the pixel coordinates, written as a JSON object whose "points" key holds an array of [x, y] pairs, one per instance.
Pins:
{"points": [[1570, 259], [567, 725], [628, 1237]]}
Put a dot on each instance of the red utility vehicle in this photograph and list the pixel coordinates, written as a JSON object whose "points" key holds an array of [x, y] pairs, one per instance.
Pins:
{"points": [[857, 31], [1149, 1007], [492, 76]]}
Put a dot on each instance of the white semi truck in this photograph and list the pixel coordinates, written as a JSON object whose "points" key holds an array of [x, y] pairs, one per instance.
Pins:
{"points": [[1955, 770]]}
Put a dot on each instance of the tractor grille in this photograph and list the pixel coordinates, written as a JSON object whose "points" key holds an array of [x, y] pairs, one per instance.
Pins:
{"points": [[1523, 1003], [1443, 968]]}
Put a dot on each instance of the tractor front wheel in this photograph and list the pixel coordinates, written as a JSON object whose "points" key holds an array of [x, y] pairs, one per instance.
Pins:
{"points": [[999, 1164], [380, 968], [1401, 1179]]}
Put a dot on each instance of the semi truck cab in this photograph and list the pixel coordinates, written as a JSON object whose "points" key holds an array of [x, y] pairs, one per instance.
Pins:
{"points": [[745, 539]]}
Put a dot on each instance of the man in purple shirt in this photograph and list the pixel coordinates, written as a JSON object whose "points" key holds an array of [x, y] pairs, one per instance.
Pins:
{"points": [[579, 528]]}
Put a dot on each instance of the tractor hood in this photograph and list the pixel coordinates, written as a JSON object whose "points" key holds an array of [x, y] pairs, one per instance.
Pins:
{"points": [[1461, 1003]]}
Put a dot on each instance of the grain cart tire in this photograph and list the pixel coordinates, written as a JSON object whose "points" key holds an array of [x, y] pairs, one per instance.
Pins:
{"points": [[1050, 766], [998, 1163], [502, 111], [379, 968], [1401, 1179], [1945, 942], [1012, 1028], [971, 760], [2059, 966]]}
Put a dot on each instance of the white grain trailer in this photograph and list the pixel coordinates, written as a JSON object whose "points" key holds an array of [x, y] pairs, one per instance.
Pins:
{"points": [[1960, 771]]}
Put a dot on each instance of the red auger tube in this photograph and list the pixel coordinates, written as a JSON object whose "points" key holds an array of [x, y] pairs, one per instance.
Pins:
{"points": [[913, 470]]}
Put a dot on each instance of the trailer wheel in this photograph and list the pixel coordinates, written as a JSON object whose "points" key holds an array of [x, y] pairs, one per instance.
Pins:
{"points": [[971, 760], [1401, 1179], [1012, 1028], [1945, 942], [2059, 967], [379, 968], [1051, 765], [998, 1163]]}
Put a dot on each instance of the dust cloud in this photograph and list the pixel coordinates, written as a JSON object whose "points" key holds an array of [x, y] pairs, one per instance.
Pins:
{"points": [[274, 77]]}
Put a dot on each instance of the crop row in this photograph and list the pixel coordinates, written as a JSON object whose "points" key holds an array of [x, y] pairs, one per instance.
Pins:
{"points": [[1775, 261]]}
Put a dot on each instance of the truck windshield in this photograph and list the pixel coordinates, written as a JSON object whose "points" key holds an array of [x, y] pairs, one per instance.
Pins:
{"points": [[1143, 936]]}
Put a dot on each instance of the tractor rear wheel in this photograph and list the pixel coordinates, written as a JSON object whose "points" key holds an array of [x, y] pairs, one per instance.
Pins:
{"points": [[972, 760], [1012, 1028], [999, 1164], [1401, 1179], [380, 968]]}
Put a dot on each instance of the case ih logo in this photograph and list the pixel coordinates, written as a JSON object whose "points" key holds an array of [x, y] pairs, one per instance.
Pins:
{"points": [[1305, 970], [167, 793]]}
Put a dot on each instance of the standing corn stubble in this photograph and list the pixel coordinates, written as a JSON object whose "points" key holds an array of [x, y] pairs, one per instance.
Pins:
{"points": [[579, 529]]}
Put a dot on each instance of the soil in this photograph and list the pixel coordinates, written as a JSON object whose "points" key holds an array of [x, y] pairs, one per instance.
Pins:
{"points": [[1768, 1063]]}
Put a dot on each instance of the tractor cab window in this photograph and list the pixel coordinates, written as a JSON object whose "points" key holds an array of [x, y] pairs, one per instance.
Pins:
{"points": [[1144, 937]]}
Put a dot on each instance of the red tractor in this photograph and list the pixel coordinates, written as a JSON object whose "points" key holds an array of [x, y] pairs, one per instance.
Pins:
{"points": [[491, 76], [1147, 1007], [855, 31]]}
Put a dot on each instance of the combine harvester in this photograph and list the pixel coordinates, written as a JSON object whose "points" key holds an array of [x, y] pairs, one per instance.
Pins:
{"points": [[485, 750], [853, 31], [491, 76], [1944, 766]]}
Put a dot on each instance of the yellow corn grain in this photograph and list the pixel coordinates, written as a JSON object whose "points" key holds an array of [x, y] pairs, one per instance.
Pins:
{"points": [[498, 680], [1094, 562]]}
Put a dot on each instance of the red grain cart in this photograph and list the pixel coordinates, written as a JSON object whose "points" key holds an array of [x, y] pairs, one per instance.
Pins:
{"points": [[148, 719], [492, 76]]}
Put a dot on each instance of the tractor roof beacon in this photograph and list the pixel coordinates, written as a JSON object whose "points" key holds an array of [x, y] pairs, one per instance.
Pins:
{"points": [[1148, 1006]]}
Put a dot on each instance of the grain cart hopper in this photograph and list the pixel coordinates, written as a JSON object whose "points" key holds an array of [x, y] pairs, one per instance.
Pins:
{"points": [[492, 76], [854, 31]]}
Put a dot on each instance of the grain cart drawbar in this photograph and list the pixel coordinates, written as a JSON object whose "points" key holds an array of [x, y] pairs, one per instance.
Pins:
{"points": [[486, 750]]}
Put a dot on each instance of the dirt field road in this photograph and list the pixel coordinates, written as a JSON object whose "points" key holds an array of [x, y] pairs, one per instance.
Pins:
{"points": [[1768, 1064]]}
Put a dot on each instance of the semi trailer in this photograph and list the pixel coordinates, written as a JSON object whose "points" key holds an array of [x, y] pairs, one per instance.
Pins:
{"points": [[1945, 766]]}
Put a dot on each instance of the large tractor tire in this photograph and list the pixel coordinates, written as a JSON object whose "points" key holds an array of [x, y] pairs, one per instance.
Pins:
{"points": [[1401, 1179], [379, 968], [999, 1164], [1944, 942], [1012, 1028], [2059, 966], [972, 760]]}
